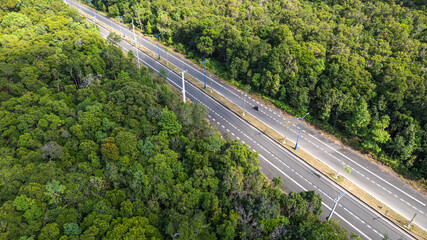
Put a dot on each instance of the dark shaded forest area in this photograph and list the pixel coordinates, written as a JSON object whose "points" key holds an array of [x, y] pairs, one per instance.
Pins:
{"points": [[359, 67], [91, 147]]}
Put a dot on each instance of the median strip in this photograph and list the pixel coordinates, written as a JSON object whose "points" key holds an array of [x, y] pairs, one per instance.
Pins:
{"points": [[312, 161]]}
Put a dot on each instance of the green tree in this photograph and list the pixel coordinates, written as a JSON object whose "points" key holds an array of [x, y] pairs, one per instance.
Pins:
{"points": [[54, 191], [114, 38], [50, 231], [277, 181], [31, 211], [109, 150], [52, 150], [169, 122], [205, 45], [136, 227], [148, 28], [214, 143], [72, 229], [126, 142], [360, 119], [113, 11]]}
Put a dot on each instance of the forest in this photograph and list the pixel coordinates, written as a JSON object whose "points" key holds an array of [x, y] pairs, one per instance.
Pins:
{"points": [[91, 147], [359, 67]]}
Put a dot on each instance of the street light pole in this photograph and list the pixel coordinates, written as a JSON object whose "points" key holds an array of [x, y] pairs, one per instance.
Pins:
{"points": [[204, 62], [410, 222], [93, 14], [183, 85], [136, 47], [335, 205], [299, 132], [123, 30], [158, 48]]}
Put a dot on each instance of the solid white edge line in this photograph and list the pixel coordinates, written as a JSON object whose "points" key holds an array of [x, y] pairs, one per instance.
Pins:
{"points": [[362, 203], [368, 170], [278, 169]]}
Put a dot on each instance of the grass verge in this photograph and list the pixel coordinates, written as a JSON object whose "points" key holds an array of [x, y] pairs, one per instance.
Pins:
{"points": [[328, 172]]}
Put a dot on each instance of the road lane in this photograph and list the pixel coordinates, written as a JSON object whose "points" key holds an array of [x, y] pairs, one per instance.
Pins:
{"points": [[276, 161], [393, 192], [403, 199]]}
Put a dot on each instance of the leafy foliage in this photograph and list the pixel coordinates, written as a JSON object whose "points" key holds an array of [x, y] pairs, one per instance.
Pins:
{"points": [[92, 147], [72, 229], [349, 63]]}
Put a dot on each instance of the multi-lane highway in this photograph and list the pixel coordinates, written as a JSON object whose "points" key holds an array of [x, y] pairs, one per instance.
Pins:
{"points": [[276, 161]]}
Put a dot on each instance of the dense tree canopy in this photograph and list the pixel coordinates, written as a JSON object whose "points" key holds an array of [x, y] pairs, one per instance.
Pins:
{"points": [[358, 66], [93, 148]]}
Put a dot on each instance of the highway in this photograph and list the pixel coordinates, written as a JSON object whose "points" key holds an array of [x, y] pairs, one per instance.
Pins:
{"points": [[276, 161]]}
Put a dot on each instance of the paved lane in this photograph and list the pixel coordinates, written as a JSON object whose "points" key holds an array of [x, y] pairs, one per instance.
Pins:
{"points": [[277, 161]]}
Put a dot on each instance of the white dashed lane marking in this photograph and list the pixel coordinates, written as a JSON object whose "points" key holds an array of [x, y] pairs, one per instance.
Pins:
{"points": [[264, 148]]}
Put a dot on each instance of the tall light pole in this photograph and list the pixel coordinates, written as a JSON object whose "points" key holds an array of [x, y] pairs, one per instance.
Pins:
{"points": [[183, 85], [335, 205], [204, 62], [410, 222], [136, 47], [93, 14], [158, 48], [121, 20], [299, 132]]}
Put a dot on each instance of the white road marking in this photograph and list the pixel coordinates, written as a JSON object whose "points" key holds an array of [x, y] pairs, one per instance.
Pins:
{"points": [[278, 169], [370, 171], [243, 142], [337, 214]]}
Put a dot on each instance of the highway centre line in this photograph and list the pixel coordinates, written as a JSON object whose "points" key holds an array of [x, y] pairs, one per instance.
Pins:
{"points": [[316, 188], [353, 162], [192, 86], [225, 88], [370, 171], [265, 159]]}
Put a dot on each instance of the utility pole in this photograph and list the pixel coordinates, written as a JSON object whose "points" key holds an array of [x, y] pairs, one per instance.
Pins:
{"points": [[183, 85], [93, 14], [335, 205], [410, 222], [204, 62], [121, 20], [136, 46], [158, 48], [296, 144]]}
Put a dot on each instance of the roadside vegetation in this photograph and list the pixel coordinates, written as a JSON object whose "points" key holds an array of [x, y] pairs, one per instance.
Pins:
{"points": [[358, 67], [92, 147]]}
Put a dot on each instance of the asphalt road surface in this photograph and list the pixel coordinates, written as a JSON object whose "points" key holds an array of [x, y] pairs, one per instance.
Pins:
{"points": [[275, 161]]}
